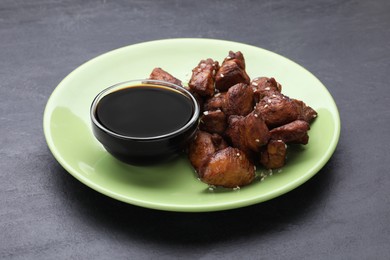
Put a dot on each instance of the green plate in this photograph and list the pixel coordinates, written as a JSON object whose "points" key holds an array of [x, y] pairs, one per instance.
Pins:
{"points": [[174, 186]]}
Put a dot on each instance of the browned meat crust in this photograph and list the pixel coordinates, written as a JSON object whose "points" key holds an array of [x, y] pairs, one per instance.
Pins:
{"points": [[273, 156], [294, 132], [202, 80], [247, 133], [160, 74], [215, 102], [277, 110], [229, 168], [264, 86], [231, 72], [203, 147], [238, 100], [213, 122], [306, 113]]}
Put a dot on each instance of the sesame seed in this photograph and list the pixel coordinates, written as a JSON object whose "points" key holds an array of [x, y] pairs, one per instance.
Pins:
{"points": [[314, 116], [218, 110], [236, 188], [228, 57], [257, 140], [254, 167], [218, 94], [238, 154], [256, 115], [267, 88], [254, 83], [269, 101], [280, 141], [205, 113], [222, 75], [266, 106]]}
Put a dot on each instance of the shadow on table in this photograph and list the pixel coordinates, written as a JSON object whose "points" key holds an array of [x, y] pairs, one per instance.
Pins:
{"points": [[136, 223]]}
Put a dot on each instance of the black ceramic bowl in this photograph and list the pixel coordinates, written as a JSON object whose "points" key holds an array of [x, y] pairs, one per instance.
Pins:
{"points": [[149, 146]]}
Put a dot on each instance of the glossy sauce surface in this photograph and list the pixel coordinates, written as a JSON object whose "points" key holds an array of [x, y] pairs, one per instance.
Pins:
{"points": [[144, 111]]}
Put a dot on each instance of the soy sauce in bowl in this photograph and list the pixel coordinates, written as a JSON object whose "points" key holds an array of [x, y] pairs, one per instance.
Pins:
{"points": [[144, 111], [144, 123]]}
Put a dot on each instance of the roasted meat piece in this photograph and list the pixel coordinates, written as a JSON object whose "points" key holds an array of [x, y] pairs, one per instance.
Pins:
{"points": [[202, 80], [306, 113], [294, 132], [277, 110], [213, 121], [231, 72], [228, 168], [238, 100], [203, 147], [215, 102], [264, 86], [160, 74], [273, 156], [247, 133]]}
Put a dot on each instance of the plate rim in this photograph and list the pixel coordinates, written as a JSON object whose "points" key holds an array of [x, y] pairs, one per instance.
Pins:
{"points": [[189, 208]]}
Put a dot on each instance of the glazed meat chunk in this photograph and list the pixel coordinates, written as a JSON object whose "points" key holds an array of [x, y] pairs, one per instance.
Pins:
{"points": [[247, 133], [228, 168], [264, 86], [213, 122], [160, 74], [238, 100], [215, 102], [231, 72], [306, 113], [203, 147], [202, 80], [277, 110], [294, 132], [273, 156]]}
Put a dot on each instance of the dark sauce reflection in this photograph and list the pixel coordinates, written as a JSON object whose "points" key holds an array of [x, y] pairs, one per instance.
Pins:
{"points": [[144, 111]]}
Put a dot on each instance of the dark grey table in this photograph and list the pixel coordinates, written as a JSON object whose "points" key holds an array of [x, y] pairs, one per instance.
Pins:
{"points": [[341, 213]]}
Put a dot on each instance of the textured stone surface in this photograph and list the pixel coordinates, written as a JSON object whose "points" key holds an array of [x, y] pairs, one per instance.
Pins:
{"points": [[342, 213]]}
